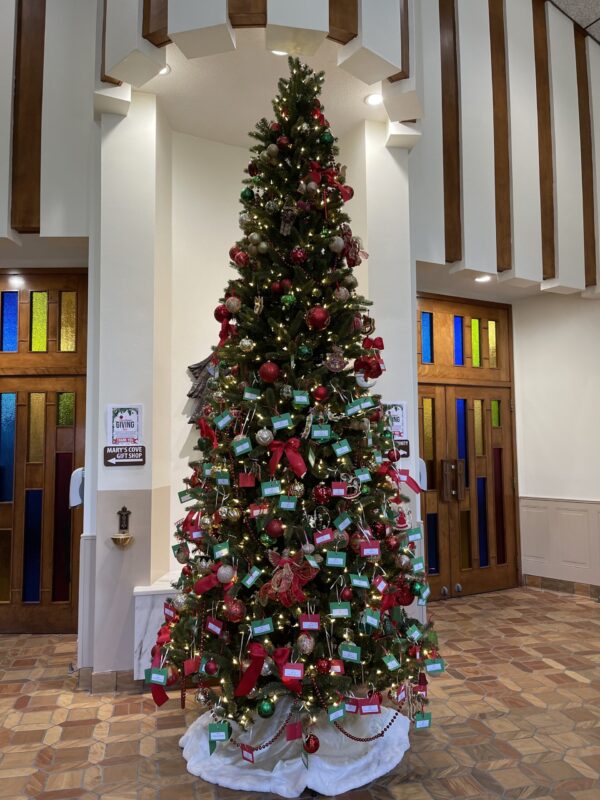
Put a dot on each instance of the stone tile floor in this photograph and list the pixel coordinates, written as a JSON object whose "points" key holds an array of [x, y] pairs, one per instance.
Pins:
{"points": [[517, 715]]}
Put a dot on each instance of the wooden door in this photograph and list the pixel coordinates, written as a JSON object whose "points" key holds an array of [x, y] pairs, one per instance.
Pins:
{"points": [[42, 431]]}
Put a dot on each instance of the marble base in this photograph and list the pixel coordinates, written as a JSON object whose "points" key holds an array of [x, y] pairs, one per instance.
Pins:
{"points": [[149, 616]]}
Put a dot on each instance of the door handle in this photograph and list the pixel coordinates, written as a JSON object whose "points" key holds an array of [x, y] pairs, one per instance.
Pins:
{"points": [[460, 479], [448, 472]]}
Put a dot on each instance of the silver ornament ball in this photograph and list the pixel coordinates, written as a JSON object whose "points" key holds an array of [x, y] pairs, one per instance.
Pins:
{"points": [[254, 238], [306, 644], [341, 294], [225, 573], [233, 304], [336, 244], [264, 437]]}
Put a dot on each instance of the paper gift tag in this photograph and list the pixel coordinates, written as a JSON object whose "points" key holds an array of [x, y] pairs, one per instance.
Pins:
{"points": [[333, 558], [369, 705], [281, 422], [250, 393], [342, 522], [414, 633], [391, 662], [214, 625], [222, 478], [310, 622], [207, 470], [196, 535], [353, 408], [312, 561], [293, 671], [293, 731], [337, 667], [359, 581], [147, 675], [241, 446], [338, 489], [251, 578], [246, 480], [158, 676], [349, 652], [270, 488], [425, 593], [341, 448], [247, 753], [191, 665], [351, 705], [370, 548], [223, 420], [418, 565], [423, 720], [320, 432], [218, 731], [335, 712], [185, 496], [377, 456], [401, 694], [170, 611], [288, 502], [363, 475], [256, 509], [367, 402], [260, 627], [340, 609], [414, 534], [434, 665], [300, 398], [372, 617], [380, 583], [220, 550], [324, 536]]}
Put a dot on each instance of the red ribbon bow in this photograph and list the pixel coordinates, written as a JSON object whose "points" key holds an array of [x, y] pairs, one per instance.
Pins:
{"points": [[368, 365], [373, 344], [227, 330], [207, 432], [211, 581], [257, 654], [331, 175], [389, 470], [401, 596], [290, 449]]}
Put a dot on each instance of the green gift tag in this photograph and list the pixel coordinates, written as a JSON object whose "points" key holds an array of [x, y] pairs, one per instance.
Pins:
{"points": [[367, 402], [320, 432], [148, 675], [341, 448], [270, 488], [349, 652], [220, 550], [312, 561], [335, 712], [418, 565], [184, 496], [340, 610], [414, 633], [413, 534], [300, 398], [391, 662], [360, 581], [260, 627], [251, 578], [207, 470], [217, 732], [353, 408], [342, 521], [158, 676], [281, 422], [434, 666], [250, 393], [222, 478], [241, 446], [423, 720], [372, 617], [363, 475], [288, 502], [223, 420], [377, 456], [369, 439], [333, 558], [425, 592]]}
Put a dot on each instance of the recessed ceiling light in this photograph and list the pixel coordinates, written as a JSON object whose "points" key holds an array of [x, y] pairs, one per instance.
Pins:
{"points": [[374, 99], [165, 70], [16, 281], [483, 279], [279, 52]]}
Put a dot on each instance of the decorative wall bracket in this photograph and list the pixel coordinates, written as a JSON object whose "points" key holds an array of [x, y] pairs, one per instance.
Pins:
{"points": [[123, 538]]}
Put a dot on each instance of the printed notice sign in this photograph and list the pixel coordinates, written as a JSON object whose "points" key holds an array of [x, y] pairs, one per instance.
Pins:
{"points": [[124, 424]]}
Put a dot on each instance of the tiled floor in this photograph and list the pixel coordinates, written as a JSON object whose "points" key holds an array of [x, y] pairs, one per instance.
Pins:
{"points": [[517, 715]]}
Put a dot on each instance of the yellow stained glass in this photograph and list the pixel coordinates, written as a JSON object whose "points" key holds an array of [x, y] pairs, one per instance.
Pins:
{"points": [[428, 442], [475, 343], [478, 422], [68, 322], [5, 543], [496, 414], [39, 322], [37, 418], [492, 343]]}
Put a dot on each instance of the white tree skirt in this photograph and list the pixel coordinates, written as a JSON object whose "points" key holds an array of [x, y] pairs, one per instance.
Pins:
{"points": [[339, 765]]}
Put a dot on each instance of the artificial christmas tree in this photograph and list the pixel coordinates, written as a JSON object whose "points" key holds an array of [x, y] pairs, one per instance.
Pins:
{"points": [[298, 560]]}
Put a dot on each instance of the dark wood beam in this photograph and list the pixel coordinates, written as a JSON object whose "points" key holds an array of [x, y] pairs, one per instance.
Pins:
{"points": [[155, 22], [248, 13], [343, 20], [404, 44]]}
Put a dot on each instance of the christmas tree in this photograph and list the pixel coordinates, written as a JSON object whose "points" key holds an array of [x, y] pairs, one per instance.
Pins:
{"points": [[299, 563]]}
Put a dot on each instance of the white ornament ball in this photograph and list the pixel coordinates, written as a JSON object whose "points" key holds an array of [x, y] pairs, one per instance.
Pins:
{"points": [[364, 383], [308, 547], [341, 294], [233, 304], [336, 244], [306, 644], [264, 437], [312, 188], [272, 151], [254, 238], [225, 573]]}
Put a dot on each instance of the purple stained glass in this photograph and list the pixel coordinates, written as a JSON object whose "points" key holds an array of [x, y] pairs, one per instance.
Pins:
{"points": [[32, 545]]}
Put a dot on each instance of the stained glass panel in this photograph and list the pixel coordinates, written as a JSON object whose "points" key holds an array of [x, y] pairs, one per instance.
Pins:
{"points": [[492, 343], [8, 415], [426, 337], [478, 424], [65, 409], [482, 526], [496, 414], [459, 354], [37, 426], [5, 558], [475, 343], [68, 322], [39, 322], [461, 435], [431, 525], [61, 548], [10, 322], [32, 545]]}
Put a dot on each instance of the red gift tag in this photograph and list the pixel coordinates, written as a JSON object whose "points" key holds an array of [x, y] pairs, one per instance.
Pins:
{"points": [[190, 665], [401, 694], [351, 705], [293, 671], [337, 667], [214, 625], [323, 537], [256, 509], [310, 622], [170, 611], [246, 480], [369, 705], [370, 548], [338, 489], [247, 753], [196, 535], [293, 730], [380, 584]]}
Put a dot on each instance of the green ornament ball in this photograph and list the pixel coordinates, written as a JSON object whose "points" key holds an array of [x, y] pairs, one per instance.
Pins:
{"points": [[417, 588], [266, 540], [364, 489], [304, 351], [247, 194], [327, 137], [316, 292], [288, 300], [266, 708], [203, 443]]}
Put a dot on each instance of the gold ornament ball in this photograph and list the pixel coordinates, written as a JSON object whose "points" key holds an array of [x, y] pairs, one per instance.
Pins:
{"points": [[296, 489], [233, 304], [234, 514], [205, 522], [246, 345]]}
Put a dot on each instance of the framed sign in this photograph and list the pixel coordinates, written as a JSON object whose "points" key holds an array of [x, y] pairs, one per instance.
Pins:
{"points": [[124, 425]]}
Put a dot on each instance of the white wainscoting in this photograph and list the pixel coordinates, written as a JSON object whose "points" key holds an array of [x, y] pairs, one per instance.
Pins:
{"points": [[561, 539]]}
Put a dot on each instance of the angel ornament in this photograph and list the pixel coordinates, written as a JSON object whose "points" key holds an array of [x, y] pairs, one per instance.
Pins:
{"points": [[290, 575]]}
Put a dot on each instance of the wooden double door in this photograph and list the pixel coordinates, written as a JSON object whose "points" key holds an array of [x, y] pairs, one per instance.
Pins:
{"points": [[466, 442]]}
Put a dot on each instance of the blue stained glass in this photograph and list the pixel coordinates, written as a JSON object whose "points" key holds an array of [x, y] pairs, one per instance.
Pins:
{"points": [[461, 435], [433, 566], [482, 527], [426, 337], [459, 354], [10, 319], [8, 413], [32, 545]]}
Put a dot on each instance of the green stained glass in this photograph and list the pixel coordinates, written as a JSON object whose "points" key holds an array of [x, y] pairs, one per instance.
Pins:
{"points": [[68, 322], [495, 413], [475, 343], [39, 322], [65, 409]]}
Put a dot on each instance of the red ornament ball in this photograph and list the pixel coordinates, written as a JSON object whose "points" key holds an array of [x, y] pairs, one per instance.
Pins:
{"points": [[298, 255], [320, 393], [242, 259], [347, 594], [392, 543], [235, 610], [282, 142], [233, 251], [317, 318], [269, 372], [286, 284], [393, 455], [379, 529], [221, 313], [275, 528], [311, 743], [253, 169], [186, 570], [355, 541], [322, 494], [275, 127], [375, 416], [323, 666], [403, 594], [211, 667], [276, 287]]}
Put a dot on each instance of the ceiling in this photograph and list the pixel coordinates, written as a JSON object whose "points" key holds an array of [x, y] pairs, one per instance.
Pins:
{"points": [[437, 279], [197, 94], [584, 12]]}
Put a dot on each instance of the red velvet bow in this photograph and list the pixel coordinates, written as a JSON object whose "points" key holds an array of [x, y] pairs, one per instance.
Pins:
{"points": [[290, 575], [399, 597], [331, 175], [257, 654], [389, 470], [227, 330], [207, 432], [290, 449], [211, 581], [373, 344], [191, 522], [368, 365]]}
